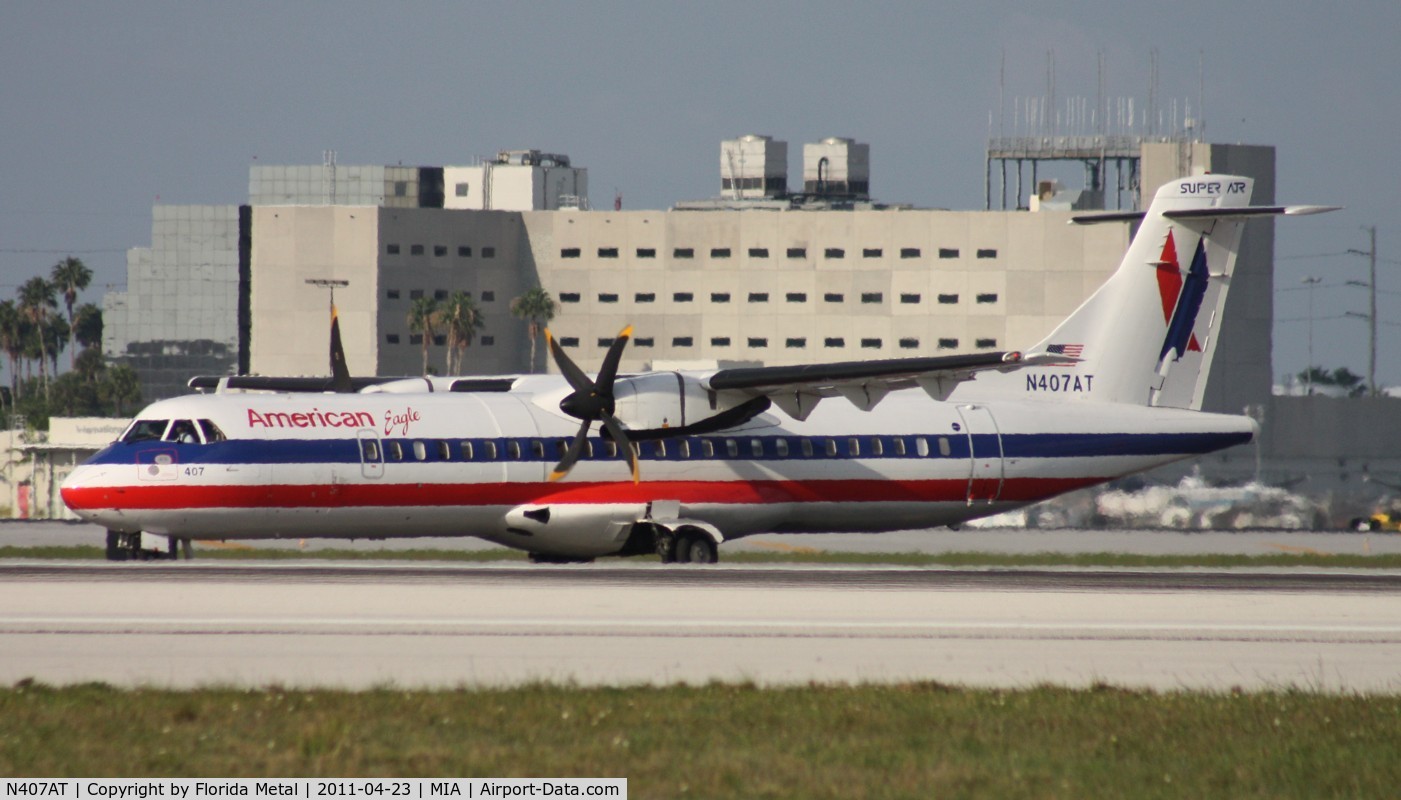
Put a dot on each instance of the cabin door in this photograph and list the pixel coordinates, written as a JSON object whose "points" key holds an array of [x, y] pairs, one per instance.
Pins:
{"points": [[371, 454], [985, 448]]}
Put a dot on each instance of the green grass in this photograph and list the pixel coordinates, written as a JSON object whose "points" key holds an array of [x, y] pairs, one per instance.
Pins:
{"points": [[958, 559], [916, 740]]}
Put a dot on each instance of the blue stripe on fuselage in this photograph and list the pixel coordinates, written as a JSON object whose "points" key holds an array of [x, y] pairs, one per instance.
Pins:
{"points": [[549, 450]]}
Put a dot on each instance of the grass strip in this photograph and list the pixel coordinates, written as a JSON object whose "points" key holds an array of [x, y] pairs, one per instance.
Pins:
{"points": [[952, 559], [916, 740]]}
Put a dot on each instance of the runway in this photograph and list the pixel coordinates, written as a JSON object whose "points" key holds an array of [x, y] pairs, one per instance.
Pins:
{"points": [[441, 625]]}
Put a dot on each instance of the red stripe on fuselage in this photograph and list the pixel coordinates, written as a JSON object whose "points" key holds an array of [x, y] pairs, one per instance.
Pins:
{"points": [[389, 495]]}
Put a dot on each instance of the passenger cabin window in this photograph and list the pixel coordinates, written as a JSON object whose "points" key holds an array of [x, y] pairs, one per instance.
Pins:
{"points": [[466, 451], [489, 451], [395, 452], [145, 430], [369, 448], [420, 450]]}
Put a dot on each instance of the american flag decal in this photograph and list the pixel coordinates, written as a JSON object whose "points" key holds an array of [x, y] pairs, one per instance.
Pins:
{"points": [[1067, 350]]}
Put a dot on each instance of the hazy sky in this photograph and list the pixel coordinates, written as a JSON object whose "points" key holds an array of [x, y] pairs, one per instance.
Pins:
{"points": [[111, 107]]}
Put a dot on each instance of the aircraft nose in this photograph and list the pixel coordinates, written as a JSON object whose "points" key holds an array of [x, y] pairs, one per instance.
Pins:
{"points": [[78, 490]]}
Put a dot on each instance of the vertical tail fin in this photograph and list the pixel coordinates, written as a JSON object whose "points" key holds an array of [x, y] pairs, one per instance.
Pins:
{"points": [[1148, 335]]}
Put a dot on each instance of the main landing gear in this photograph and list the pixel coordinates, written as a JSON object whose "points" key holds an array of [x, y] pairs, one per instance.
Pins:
{"points": [[686, 546]]}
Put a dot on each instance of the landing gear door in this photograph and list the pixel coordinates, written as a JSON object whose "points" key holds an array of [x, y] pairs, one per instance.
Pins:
{"points": [[371, 454], [985, 446]]}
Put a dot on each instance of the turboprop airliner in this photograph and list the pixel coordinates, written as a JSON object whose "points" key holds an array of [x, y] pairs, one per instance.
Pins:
{"points": [[675, 463]]}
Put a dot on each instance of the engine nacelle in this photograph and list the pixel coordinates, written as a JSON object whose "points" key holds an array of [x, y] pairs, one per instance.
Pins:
{"points": [[674, 403]]}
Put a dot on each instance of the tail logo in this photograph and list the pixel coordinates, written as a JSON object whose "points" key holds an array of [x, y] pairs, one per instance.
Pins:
{"points": [[1182, 299]]}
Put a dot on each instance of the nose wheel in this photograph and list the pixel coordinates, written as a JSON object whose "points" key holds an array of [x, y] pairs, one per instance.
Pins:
{"points": [[133, 547]]}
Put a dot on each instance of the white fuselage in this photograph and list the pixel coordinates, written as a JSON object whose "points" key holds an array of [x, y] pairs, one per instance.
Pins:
{"points": [[463, 464]]}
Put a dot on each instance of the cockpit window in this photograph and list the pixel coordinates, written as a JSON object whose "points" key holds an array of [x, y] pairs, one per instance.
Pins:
{"points": [[182, 431], [145, 430], [211, 431]]}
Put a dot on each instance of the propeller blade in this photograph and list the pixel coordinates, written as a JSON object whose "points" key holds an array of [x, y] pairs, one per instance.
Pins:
{"points": [[619, 434], [340, 373], [571, 372], [571, 456], [609, 371]]}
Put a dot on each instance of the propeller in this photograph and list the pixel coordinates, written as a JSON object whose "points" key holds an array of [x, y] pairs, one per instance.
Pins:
{"points": [[592, 401]]}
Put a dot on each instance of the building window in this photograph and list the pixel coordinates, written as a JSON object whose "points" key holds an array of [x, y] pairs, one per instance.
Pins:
{"points": [[758, 252], [391, 249], [439, 341], [797, 252], [569, 297], [401, 188], [681, 341], [834, 252], [987, 297], [644, 297], [873, 297], [415, 338], [440, 250], [948, 252], [870, 344], [488, 252], [569, 341], [795, 342], [643, 341], [440, 294], [683, 252], [948, 299], [414, 294], [719, 252], [834, 341], [987, 252], [488, 296], [948, 344], [607, 297], [461, 189], [872, 252], [487, 341], [569, 252], [796, 297], [909, 252], [834, 297], [758, 341], [391, 338], [605, 341], [391, 294], [682, 297], [987, 343], [463, 251], [646, 252], [719, 341], [719, 297], [758, 297], [416, 250], [909, 298], [607, 252], [909, 344]]}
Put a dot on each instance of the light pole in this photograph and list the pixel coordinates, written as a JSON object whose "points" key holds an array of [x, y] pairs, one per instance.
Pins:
{"points": [[1371, 308], [1310, 281]]}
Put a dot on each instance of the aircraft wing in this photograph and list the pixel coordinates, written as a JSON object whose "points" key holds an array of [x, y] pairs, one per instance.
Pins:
{"points": [[797, 389]]}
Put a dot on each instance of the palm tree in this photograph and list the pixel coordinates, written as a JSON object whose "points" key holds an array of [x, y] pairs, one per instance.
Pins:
{"points": [[69, 277], [120, 387], [537, 308], [12, 340], [423, 320], [37, 304], [87, 327], [461, 319]]}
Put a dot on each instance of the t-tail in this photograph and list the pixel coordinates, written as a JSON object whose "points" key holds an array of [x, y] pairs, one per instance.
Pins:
{"points": [[1148, 335]]}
